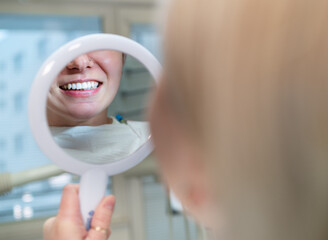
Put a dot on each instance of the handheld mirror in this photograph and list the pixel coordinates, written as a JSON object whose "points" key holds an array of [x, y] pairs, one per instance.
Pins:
{"points": [[85, 111]]}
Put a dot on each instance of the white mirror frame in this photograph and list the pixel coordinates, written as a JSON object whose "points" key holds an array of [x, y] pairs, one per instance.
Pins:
{"points": [[49, 71]]}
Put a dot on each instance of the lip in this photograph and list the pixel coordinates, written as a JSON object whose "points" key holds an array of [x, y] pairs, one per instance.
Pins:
{"points": [[81, 94]]}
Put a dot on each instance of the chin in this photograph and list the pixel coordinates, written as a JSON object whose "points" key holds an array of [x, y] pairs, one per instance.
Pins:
{"points": [[83, 114]]}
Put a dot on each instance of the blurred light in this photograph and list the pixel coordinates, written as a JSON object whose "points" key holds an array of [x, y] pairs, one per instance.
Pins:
{"points": [[27, 197], [61, 180], [175, 203], [3, 34], [48, 67], [28, 212], [17, 209], [75, 46]]}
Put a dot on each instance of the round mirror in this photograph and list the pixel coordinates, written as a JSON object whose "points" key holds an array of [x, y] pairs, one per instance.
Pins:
{"points": [[96, 106], [87, 107]]}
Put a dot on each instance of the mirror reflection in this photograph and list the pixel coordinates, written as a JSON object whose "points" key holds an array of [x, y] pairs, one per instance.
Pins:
{"points": [[96, 105]]}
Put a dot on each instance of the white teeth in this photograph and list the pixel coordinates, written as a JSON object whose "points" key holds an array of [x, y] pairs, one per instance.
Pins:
{"points": [[81, 86]]}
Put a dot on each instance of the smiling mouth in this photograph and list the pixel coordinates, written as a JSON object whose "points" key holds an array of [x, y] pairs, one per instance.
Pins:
{"points": [[81, 86]]}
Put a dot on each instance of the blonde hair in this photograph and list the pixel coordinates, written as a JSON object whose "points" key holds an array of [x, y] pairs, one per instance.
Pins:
{"points": [[249, 80]]}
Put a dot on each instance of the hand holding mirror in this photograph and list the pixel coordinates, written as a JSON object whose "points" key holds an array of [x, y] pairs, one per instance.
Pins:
{"points": [[74, 121]]}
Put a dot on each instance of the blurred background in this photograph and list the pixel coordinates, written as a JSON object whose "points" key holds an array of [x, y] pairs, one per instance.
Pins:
{"points": [[30, 30]]}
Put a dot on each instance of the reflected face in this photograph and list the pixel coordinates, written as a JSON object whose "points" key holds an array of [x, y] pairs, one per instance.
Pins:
{"points": [[83, 91], [85, 87]]}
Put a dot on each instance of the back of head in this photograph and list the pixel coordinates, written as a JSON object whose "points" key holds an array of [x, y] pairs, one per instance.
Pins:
{"points": [[249, 79]]}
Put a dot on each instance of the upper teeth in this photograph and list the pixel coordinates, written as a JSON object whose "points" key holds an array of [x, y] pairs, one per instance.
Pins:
{"points": [[81, 86]]}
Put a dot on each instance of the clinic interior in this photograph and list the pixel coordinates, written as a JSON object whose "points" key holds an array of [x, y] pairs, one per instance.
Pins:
{"points": [[30, 31]]}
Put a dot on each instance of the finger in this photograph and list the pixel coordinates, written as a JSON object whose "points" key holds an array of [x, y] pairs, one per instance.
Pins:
{"points": [[101, 219], [70, 204], [47, 226]]}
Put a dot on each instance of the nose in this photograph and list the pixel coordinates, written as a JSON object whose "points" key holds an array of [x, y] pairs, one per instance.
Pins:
{"points": [[80, 63]]}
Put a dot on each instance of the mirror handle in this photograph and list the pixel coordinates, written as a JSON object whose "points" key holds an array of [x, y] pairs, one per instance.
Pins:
{"points": [[93, 185]]}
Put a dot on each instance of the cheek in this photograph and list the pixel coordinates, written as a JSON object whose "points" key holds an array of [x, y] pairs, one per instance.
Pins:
{"points": [[166, 146], [113, 72], [111, 67], [53, 95], [110, 63], [171, 159], [54, 91]]}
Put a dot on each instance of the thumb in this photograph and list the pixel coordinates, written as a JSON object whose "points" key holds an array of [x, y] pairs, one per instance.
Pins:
{"points": [[70, 205]]}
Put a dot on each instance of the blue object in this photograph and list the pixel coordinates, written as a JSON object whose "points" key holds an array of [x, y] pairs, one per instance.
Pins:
{"points": [[121, 119], [88, 224]]}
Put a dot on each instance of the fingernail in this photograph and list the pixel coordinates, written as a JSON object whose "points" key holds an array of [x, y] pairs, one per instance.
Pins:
{"points": [[109, 204]]}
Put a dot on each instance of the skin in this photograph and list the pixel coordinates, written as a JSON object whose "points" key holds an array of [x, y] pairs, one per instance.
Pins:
{"points": [[68, 223], [179, 155], [104, 67]]}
